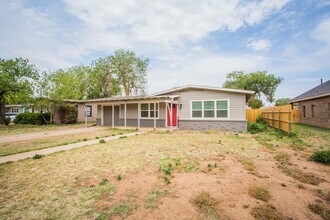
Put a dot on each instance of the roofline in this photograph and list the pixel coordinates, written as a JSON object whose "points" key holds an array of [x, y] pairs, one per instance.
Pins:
{"points": [[205, 87], [313, 97], [123, 99]]}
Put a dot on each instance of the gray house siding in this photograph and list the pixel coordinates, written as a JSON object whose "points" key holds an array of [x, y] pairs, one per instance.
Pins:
{"points": [[132, 111], [107, 111], [202, 125]]}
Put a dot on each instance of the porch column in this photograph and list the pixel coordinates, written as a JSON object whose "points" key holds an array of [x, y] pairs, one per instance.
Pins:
{"points": [[139, 114], [125, 114], [113, 116], [171, 113], [154, 115], [102, 115], [85, 114]]}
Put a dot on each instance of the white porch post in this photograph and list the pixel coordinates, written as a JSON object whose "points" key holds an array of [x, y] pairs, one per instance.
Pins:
{"points": [[113, 116], [102, 115], [125, 114], [139, 114], [154, 115], [171, 113]]}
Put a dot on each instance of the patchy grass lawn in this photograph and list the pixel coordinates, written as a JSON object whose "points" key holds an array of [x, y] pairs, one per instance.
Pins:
{"points": [[210, 175], [41, 143], [14, 129]]}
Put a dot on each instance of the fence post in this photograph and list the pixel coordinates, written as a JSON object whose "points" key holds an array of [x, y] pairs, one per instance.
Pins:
{"points": [[289, 114], [273, 119], [279, 119]]}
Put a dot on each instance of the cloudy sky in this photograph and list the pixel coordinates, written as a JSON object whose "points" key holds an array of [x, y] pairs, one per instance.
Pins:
{"points": [[188, 42]]}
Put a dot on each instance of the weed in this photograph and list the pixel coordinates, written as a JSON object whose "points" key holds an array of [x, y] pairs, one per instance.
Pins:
{"points": [[321, 157], [191, 167], [323, 195], [85, 139], [37, 156], [166, 180], [97, 137], [123, 209], [320, 210], [301, 176], [268, 212], [255, 127], [301, 186], [103, 182], [102, 141], [283, 158], [122, 137], [151, 199], [206, 204], [102, 216], [259, 193], [248, 164], [119, 177]]}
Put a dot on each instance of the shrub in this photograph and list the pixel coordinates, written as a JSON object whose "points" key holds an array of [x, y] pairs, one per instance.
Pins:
{"points": [[102, 141], [321, 157], [6, 120], [255, 127], [37, 156], [259, 119], [32, 118], [68, 114]]}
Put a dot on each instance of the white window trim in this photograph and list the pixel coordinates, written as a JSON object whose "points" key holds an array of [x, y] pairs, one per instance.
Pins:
{"points": [[91, 111], [215, 110], [14, 112], [149, 110]]}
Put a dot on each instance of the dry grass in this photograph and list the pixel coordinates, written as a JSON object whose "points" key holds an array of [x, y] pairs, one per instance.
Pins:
{"points": [[319, 209], [248, 164], [151, 200], [13, 129], [40, 143], [206, 204], [266, 212], [259, 193]]}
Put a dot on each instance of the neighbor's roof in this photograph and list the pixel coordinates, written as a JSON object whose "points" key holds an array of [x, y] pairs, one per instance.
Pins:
{"points": [[125, 98], [317, 92], [180, 88]]}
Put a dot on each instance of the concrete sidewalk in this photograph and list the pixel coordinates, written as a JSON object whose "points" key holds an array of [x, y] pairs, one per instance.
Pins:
{"points": [[16, 157], [28, 136]]}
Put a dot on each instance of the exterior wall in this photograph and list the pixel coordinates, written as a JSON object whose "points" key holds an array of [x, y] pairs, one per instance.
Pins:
{"points": [[235, 126], [81, 113], [236, 102], [132, 110], [321, 112], [107, 111]]}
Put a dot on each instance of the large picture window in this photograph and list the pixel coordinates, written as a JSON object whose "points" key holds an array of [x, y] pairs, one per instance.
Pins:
{"points": [[210, 109], [14, 110], [148, 110]]}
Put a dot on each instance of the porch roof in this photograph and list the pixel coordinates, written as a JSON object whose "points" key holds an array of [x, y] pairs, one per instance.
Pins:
{"points": [[125, 98]]}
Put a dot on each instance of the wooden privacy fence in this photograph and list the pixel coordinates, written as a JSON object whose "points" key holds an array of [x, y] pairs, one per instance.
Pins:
{"points": [[281, 117]]}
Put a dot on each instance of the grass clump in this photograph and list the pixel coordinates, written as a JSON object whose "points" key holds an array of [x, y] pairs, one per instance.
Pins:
{"points": [[103, 182], [322, 156], [85, 139], [37, 156], [256, 127], [122, 137], [206, 204], [301, 176], [102, 141], [248, 164], [259, 193], [123, 209], [151, 199], [320, 210], [264, 212]]}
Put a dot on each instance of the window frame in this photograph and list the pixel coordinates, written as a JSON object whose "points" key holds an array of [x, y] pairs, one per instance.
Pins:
{"points": [[17, 110], [215, 118], [149, 110], [304, 111], [313, 111], [90, 111]]}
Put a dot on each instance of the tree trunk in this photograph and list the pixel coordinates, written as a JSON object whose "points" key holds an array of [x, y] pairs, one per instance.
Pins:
{"points": [[2, 109], [127, 91]]}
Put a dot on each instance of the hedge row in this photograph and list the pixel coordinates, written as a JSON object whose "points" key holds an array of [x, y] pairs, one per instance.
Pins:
{"points": [[32, 118]]}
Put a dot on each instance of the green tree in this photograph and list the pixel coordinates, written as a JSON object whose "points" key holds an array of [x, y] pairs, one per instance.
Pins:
{"points": [[261, 82], [255, 103], [282, 101], [17, 77], [130, 71]]}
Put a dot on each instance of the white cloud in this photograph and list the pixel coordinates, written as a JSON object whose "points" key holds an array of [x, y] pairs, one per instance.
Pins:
{"points": [[322, 31], [306, 79], [262, 44]]}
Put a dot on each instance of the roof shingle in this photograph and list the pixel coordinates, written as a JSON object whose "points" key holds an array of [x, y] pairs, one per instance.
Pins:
{"points": [[319, 91]]}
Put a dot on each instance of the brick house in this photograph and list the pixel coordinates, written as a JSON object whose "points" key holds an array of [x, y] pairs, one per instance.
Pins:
{"points": [[314, 106]]}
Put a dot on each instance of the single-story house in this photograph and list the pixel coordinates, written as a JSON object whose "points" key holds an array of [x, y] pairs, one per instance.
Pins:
{"points": [[18, 108], [187, 107], [314, 106]]}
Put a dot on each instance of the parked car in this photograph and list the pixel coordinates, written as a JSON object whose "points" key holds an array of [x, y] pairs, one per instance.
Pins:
{"points": [[12, 116]]}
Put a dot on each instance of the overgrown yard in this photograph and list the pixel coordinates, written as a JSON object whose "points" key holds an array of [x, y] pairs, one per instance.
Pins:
{"points": [[40, 143], [174, 175], [14, 129]]}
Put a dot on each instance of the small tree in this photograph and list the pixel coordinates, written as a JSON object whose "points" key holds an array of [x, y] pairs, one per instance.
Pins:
{"points": [[16, 82], [255, 103], [282, 101]]}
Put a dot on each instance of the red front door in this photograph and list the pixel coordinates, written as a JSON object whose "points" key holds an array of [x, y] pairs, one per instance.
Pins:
{"points": [[174, 114]]}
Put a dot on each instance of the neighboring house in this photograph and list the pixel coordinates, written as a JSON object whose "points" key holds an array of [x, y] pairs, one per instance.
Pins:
{"points": [[16, 109], [188, 107], [314, 106]]}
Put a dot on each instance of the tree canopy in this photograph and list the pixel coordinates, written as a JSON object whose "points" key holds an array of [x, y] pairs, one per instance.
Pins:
{"points": [[282, 101], [261, 82], [16, 82]]}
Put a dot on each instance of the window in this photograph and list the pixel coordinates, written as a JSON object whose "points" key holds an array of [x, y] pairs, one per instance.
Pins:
{"points": [[304, 111], [222, 109], [209, 109], [89, 111], [312, 111], [329, 110], [197, 109], [14, 110], [148, 110]]}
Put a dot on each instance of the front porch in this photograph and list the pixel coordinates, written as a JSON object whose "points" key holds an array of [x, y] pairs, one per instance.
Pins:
{"points": [[149, 112]]}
